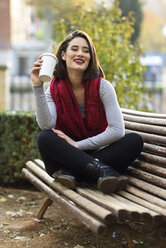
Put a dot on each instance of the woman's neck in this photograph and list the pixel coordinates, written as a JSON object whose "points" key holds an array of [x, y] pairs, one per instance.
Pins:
{"points": [[75, 79]]}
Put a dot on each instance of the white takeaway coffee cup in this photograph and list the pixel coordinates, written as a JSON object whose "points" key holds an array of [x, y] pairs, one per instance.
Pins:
{"points": [[48, 66]]}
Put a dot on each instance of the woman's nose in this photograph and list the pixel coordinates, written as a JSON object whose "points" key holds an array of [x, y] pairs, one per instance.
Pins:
{"points": [[80, 53]]}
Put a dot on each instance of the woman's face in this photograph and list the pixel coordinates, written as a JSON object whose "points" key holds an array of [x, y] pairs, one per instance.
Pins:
{"points": [[77, 55]]}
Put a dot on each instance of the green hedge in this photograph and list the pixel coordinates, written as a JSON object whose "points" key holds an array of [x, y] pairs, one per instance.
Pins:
{"points": [[18, 133]]}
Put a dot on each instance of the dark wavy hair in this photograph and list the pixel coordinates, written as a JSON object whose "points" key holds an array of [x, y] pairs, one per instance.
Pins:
{"points": [[94, 70]]}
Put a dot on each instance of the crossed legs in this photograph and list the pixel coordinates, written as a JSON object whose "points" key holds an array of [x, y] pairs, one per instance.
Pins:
{"points": [[58, 154]]}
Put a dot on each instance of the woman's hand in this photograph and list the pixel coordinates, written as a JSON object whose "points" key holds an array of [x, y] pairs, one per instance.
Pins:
{"points": [[35, 72], [65, 137]]}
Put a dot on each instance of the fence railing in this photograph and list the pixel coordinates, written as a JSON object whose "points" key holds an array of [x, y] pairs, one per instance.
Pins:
{"points": [[21, 94]]}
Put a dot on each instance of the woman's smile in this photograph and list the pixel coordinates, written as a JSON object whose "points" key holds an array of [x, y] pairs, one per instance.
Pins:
{"points": [[79, 61]]}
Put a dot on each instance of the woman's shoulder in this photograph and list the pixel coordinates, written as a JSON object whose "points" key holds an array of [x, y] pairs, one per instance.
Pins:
{"points": [[106, 85]]}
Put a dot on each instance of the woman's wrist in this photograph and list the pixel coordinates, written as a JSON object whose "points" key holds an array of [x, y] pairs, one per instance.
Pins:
{"points": [[37, 85], [34, 84], [38, 90]]}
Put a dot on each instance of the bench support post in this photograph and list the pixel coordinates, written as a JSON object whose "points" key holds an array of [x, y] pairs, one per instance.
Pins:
{"points": [[158, 241], [44, 207], [123, 228]]}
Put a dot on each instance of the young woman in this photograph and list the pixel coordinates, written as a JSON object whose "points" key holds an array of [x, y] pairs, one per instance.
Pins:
{"points": [[82, 135]]}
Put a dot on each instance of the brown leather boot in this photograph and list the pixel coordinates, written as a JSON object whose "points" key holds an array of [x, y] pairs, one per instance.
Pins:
{"points": [[66, 178], [108, 180]]}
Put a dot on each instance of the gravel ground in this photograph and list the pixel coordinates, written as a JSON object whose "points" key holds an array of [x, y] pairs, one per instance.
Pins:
{"points": [[20, 228]]}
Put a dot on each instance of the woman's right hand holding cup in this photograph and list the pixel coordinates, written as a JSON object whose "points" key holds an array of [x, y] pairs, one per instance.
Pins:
{"points": [[34, 73]]}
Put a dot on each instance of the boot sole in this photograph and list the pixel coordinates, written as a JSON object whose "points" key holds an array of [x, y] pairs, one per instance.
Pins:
{"points": [[123, 181], [108, 185], [67, 181]]}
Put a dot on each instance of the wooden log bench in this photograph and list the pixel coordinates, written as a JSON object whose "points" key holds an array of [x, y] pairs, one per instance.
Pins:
{"points": [[143, 200]]}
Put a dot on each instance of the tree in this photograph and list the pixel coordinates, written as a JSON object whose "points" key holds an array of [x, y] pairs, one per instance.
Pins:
{"points": [[135, 8]]}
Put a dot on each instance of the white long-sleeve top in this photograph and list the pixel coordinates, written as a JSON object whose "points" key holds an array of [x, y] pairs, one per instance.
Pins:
{"points": [[46, 116]]}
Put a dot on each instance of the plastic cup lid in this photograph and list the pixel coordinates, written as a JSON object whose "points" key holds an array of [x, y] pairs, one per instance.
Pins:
{"points": [[49, 54]]}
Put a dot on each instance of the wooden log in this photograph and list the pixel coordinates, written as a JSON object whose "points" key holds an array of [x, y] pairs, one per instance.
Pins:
{"points": [[142, 113], [151, 138], [120, 209], [146, 196], [101, 213], [155, 149], [40, 163], [154, 159], [145, 211], [147, 120], [92, 223], [155, 180], [158, 211], [151, 168], [145, 128], [154, 190]]}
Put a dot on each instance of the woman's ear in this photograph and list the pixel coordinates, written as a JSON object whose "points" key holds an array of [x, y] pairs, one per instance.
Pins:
{"points": [[63, 55]]}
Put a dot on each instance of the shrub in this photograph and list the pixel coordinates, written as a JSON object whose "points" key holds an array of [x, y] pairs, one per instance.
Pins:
{"points": [[18, 133]]}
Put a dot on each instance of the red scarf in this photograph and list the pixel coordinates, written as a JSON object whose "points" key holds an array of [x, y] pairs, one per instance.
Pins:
{"points": [[69, 118]]}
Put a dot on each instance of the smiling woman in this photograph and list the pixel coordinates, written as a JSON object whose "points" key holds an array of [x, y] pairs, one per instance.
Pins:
{"points": [[82, 135]]}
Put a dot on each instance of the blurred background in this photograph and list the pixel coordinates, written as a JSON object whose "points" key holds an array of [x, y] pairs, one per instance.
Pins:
{"points": [[29, 28]]}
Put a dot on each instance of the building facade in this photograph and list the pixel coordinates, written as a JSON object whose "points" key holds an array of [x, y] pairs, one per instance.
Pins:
{"points": [[18, 47]]}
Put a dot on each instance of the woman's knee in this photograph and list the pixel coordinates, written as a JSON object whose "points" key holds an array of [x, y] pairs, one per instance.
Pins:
{"points": [[135, 140], [43, 137]]}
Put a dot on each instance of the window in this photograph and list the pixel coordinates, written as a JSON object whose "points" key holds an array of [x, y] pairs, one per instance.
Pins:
{"points": [[22, 66]]}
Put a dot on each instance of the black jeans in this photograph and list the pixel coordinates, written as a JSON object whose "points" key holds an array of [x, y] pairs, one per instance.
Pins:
{"points": [[57, 154]]}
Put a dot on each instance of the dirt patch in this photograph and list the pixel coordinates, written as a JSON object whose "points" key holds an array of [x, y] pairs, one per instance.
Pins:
{"points": [[20, 228]]}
